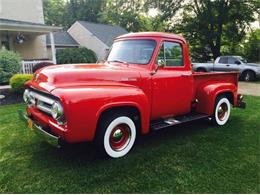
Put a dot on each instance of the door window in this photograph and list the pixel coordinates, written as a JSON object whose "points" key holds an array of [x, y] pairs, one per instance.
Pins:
{"points": [[223, 60], [171, 54], [232, 60]]}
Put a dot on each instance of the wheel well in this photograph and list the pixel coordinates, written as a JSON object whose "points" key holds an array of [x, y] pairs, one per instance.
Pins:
{"points": [[248, 70], [131, 111], [202, 69], [228, 95]]}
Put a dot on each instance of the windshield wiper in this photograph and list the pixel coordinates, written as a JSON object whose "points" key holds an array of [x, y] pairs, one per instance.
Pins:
{"points": [[118, 61]]}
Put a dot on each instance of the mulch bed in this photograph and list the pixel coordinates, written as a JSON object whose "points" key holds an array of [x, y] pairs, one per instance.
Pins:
{"points": [[10, 97]]}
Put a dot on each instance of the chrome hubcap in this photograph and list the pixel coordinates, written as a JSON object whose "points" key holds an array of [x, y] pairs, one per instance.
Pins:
{"points": [[222, 111], [117, 135], [120, 137]]}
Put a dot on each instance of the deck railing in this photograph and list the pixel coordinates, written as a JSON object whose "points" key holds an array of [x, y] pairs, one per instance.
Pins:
{"points": [[27, 66]]}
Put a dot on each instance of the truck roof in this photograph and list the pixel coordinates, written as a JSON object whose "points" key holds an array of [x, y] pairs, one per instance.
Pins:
{"points": [[152, 34]]}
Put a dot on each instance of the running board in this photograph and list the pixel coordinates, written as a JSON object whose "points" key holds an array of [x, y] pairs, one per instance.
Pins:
{"points": [[168, 122]]}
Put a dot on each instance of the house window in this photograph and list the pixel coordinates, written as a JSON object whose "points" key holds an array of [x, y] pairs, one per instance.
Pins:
{"points": [[5, 45]]}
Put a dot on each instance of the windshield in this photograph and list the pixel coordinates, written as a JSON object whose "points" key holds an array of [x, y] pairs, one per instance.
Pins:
{"points": [[132, 51], [242, 59]]}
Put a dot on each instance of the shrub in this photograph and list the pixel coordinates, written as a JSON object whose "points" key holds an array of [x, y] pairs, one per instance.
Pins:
{"points": [[17, 82], [75, 55], [41, 65], [9, 65]]}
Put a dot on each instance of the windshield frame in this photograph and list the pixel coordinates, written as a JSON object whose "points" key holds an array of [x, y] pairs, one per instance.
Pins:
{"points": [[134, 39]]}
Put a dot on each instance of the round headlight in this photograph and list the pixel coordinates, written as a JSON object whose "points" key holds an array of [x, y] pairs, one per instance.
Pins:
{"points": [[26, 96], [56, 110]]}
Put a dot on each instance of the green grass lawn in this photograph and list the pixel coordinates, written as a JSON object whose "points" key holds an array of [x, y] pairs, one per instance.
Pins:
{"points": [[192, 158]]}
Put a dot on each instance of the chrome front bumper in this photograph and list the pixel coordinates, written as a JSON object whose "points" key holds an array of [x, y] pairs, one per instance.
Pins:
{"points": [[51, 139]]}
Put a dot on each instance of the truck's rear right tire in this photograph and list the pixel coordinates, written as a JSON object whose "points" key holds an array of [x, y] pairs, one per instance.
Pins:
{"points": [[116, 135], [221, 111]]}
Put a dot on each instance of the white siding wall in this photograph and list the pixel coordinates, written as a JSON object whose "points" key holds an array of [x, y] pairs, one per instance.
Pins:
{"points": [[29, 11], [86, 39]]}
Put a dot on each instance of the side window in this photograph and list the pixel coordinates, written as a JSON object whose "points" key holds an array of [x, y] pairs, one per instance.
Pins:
{"points": [[232, 60], [223, 60], [171, 53]]}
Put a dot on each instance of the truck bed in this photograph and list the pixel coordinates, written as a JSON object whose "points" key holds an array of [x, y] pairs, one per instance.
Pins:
{"points": [[212, 80], [201, 78]]}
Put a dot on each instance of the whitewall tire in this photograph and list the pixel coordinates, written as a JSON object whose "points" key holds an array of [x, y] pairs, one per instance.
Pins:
{"points": [[221, 111], [117, 136]]}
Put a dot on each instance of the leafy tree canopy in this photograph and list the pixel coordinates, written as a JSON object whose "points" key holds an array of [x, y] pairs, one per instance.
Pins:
{"points": [[209, 25]]}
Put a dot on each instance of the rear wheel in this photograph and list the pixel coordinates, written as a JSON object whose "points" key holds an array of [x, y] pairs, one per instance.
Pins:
{"points": [[116, 135], [222, 111], [248, 75]]}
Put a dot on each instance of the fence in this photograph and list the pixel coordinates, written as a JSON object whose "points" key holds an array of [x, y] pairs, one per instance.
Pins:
{"points": [[27, 66]]}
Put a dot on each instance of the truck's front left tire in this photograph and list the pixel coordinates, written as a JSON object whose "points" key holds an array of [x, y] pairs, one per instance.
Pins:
{"points": [[222, 111], [116, 135]]}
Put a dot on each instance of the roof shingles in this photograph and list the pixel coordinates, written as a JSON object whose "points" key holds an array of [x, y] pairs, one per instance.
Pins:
{"points": [[105, 33], [62, 38]]}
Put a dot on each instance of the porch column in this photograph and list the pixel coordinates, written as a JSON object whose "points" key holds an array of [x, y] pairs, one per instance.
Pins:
{"points": [[53, 52]]}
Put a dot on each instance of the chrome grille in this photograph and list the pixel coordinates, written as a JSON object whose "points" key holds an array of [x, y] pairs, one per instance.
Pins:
{"points": [[42, 102]]}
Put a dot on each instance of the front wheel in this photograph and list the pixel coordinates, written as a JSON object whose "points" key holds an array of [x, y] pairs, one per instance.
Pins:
{"points": [[222, 111], [116, 136], [248, 76]]}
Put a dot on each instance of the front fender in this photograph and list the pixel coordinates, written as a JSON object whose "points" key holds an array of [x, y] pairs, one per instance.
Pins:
{"points": [[207, 94], [83, 107]]}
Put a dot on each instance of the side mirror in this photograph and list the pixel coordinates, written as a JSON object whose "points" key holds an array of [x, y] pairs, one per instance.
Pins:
{"points": [[160, 64], [237, 62]]}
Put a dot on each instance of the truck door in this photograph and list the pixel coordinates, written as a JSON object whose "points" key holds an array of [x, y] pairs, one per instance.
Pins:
{"points": [[172, 85]]}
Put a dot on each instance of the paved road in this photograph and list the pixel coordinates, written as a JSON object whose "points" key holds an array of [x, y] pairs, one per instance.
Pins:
{"points": [[248, 88]]}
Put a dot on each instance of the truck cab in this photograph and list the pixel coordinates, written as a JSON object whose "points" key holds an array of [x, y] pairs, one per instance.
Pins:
{"points": [[145, 84]]}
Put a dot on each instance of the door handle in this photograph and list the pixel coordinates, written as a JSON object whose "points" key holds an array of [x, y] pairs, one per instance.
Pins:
{"points": [[227, 65], [186, 74]]}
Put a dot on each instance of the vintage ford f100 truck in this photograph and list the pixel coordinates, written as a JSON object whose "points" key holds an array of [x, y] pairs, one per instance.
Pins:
{"points": [[146, 83]]}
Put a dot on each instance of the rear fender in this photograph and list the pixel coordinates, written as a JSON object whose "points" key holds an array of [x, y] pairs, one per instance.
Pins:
{"points": [[207, 94]]}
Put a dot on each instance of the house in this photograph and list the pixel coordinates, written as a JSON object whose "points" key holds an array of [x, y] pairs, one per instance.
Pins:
{"points": [[94, 36], [62, 40], [22, 30]]}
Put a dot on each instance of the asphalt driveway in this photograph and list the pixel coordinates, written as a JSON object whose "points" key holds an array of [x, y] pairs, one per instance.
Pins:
{"points": [[247, 88]]}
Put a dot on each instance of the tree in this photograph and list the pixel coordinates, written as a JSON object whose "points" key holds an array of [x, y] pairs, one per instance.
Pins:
{"points": [[252, 46], [87, 10], [65, 13], [166, 16], [54, 12], [133, 14], [125, 13], [208, 25]]}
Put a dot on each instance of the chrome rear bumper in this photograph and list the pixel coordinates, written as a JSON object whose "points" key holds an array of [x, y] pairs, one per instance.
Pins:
{"points": [[51, 139], [240, 103]]}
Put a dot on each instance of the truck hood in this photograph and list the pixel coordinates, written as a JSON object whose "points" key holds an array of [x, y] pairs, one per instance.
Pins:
{"points": [[76, 75]]}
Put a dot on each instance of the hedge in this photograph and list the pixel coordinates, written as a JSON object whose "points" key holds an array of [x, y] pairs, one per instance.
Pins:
{"points": [[9, 65], [17, 82], [75, 55]]}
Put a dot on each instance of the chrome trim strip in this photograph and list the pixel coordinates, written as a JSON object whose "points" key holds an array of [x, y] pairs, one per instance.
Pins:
{"points": [[42, 98], [44, 109]]}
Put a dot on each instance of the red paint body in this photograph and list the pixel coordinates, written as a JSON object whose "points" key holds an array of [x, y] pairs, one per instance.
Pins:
{"points": [[87, 90]]}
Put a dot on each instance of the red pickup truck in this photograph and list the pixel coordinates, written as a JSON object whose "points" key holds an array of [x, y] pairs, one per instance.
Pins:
{"points": [[145, 84]]}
